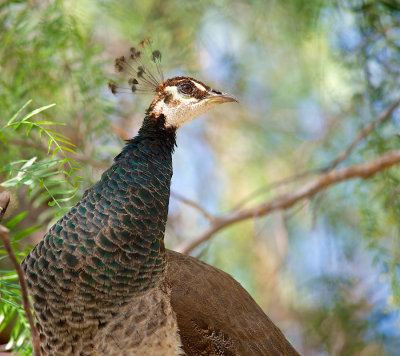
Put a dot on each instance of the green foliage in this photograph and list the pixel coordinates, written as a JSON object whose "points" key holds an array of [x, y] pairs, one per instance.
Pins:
{"points": [[52, 179], [343, 323], [309, 75], [47, 56], [47, 180], [44, 179], [11, 310], [12, 313]]}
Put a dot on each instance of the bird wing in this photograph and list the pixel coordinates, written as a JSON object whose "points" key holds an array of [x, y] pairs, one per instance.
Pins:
{"points": [[215, 314]]}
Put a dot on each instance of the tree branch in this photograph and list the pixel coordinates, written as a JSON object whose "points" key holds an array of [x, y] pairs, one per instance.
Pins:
{"points": [[384, 116], [366, 130], [4, 201], [324, 180]]}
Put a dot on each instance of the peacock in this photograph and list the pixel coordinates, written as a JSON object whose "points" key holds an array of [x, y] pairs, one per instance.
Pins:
{"points": [[101, 280]]}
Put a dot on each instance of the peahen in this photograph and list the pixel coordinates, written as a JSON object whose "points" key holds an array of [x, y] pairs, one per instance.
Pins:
{"points": [[101, 280]]}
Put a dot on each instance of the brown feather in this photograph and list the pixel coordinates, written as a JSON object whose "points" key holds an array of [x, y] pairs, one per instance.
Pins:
{"points": [[215, 314]]}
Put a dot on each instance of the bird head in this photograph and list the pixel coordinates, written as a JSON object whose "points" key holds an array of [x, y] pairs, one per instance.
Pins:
{"points": [[177, 100], [182, 99]]}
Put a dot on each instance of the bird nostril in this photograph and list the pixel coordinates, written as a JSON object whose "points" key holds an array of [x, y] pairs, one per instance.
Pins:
{"points": [[216, 91]]}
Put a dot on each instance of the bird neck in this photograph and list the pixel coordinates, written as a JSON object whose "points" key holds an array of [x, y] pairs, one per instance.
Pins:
{"points": [[153, 127], [142, 176]]}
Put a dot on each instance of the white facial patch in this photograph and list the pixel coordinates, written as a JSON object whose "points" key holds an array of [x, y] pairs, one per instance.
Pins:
{"points": [[181, 109], [199, 86]]}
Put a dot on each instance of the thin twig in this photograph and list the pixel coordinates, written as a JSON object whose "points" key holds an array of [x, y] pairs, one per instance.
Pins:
{"points": [[4, 200], [384, 116], [324, 180], [193, 204]]}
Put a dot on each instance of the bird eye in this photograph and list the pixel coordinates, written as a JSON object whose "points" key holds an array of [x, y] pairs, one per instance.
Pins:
{"points": [[186, 88]]}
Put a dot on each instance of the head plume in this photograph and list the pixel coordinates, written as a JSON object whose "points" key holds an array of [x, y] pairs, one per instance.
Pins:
{"points": [[143, 66]]}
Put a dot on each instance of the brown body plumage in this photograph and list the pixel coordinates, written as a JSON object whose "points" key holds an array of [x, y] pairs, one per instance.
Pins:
{"points": [[215, 314]]}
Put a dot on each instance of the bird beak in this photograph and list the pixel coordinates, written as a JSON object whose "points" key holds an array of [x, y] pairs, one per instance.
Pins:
{"points": [[221, 98]]}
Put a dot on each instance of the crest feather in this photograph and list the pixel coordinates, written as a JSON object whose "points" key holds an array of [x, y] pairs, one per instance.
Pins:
{"points": [[142, 78]]}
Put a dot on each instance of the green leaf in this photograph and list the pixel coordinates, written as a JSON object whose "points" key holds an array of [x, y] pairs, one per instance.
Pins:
{"points": [[75, 162], [26, 232], [10, 285], [65, 141], [6, 320], [18, 112], [12, 277], [11, 294], [64, 161], [8, 165], [28, 129], [36, 111], [15, 220], [49, 123], [68, 149], [9, 273], [29, 163], [10, 183], [63, 200], [15, 305], [63, 192], [55, 151], [54, 182], [49, 144], [15, 125], [55, 133], [3, 137]]}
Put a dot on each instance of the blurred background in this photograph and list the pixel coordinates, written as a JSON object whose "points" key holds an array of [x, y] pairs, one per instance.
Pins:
{"points": [[309, 75]]}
